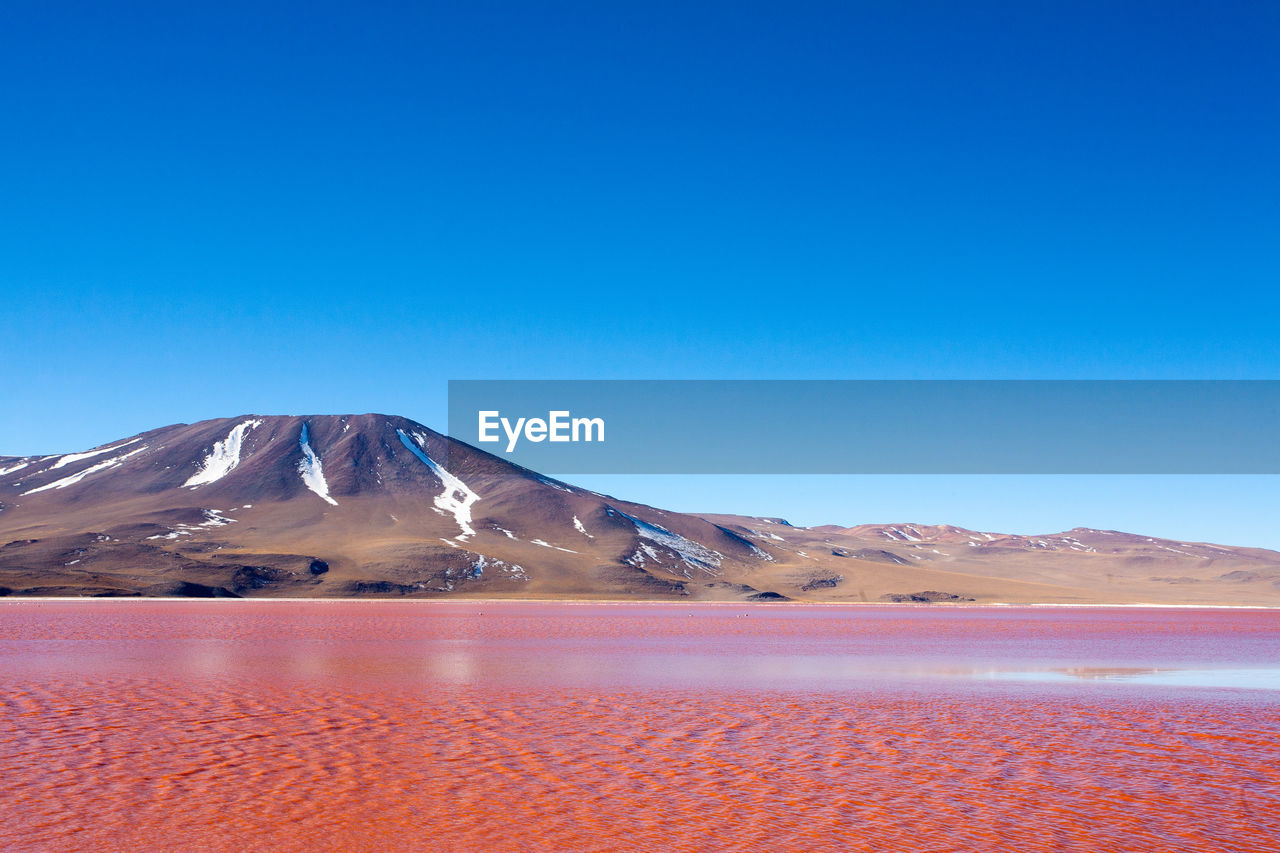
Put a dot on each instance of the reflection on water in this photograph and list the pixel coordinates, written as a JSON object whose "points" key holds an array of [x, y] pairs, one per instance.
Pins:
{"points": [[1262, 678], [465, 726]]}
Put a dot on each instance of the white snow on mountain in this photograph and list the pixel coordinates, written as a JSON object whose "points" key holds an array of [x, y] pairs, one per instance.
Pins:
{"points": [[546, 544], [13, 468], [80, 475], [902, 534], [213, 518], [692, 554], [311, 470], [578, 526], [555, 484], [456, 499], [637, 559], [223, 458], [72, 458], [515, 572]]}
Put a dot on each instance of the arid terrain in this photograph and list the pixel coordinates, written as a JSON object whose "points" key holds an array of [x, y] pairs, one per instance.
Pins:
{"points": [[380, 506]]}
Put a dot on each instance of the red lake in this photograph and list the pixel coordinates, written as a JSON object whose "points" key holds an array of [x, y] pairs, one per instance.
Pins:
{"points": [[484, 725]]}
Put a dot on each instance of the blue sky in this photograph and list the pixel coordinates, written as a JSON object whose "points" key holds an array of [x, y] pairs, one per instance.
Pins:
{"points": [[209, 209]]}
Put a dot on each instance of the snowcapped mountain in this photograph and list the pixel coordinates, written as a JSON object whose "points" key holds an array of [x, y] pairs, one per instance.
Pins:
{"points": [[378, 505], [333, 505]]}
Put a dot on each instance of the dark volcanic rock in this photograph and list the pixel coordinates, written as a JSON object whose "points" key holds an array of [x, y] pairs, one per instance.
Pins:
{"points": [[257, 577], [385, 588], [822, 583], [637, 581], [78, 591], [187, 589], [1241, 576], [929, 596], [318, 567], [876, 555], [768, 596]]}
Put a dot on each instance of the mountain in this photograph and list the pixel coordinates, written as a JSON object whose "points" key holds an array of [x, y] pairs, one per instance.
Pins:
{"points": [[380, 506]]}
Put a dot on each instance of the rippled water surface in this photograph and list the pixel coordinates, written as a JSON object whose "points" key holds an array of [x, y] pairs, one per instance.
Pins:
{"points": [[234, 725]]}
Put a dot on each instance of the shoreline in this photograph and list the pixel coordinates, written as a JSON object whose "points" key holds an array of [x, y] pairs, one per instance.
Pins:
{"points": [[648, 602]]}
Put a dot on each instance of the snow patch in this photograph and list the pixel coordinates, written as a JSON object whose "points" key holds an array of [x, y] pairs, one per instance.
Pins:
{"points": [[215, 518], [72, 458], [224, 457], [578, 526], [212, 518], [10, 470], [456, 499], [555, 484], [512, 570], [92, 469], [311, 470], [638, 558], [692, 554], [549, 545]]}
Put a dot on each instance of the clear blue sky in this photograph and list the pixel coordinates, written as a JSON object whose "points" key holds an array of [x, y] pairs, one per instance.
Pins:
{"points": [[209, 209]]}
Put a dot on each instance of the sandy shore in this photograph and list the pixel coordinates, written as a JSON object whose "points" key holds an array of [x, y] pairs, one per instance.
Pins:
{"points": [[772, 605]]}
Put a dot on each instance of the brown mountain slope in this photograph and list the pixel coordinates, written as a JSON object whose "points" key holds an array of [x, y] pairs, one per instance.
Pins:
{"points": [[377, 505]]}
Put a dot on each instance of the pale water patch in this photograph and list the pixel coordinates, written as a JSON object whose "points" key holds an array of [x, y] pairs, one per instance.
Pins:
{"points": [[1261, 678]]}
